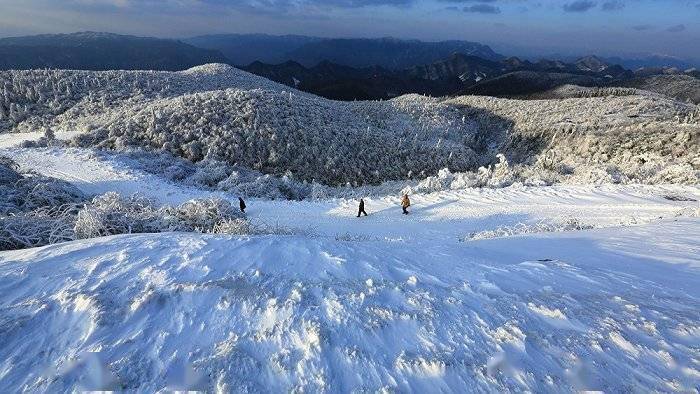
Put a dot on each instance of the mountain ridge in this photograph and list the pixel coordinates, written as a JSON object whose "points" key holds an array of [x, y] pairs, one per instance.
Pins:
{"points": [[388, 52], [102, 51]]}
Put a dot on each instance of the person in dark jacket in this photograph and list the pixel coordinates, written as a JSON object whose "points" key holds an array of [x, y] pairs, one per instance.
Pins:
{"points": [[362, 208], [241, 203]]}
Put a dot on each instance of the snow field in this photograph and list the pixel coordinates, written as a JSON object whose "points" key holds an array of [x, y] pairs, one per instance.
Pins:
{"points": [[611, 310]]}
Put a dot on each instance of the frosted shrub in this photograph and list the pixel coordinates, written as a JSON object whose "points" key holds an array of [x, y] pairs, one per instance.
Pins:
{"points": [[464, 179], [442, 181], [40, 191], [25, 192], [678, 173], [111, 214], [566, 224], [158, 163], [599, 175], [9, 172], [500, 174], [210, 173], [234, 227], [37, 228], [200, 215], [244, 227], [254, 184], [348, 237]]}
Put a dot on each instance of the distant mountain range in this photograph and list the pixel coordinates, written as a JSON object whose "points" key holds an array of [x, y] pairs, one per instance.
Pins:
{"points": [[101, 51], [458, 74], [631, 61], [652, 61], [389, 53], [348, 69]]}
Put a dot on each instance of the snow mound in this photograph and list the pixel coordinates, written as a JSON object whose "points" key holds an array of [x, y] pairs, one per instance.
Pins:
{"points": [[209, 69], [211, 313]]}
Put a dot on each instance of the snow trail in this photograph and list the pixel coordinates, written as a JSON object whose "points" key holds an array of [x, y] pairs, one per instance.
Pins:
{"points": [[447, 215]]}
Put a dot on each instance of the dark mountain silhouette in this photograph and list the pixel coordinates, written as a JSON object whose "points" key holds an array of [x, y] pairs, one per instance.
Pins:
{"points": [[457, 74], [466, 68], [391, 53], [340, 82], [101, 51], [523, 83]]}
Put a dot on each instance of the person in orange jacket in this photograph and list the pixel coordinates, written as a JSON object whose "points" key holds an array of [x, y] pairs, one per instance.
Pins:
{"points": [[405, 203]]}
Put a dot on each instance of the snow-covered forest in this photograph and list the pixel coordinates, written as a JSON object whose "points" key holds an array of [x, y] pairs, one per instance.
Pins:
{"points": [[219, 114]]}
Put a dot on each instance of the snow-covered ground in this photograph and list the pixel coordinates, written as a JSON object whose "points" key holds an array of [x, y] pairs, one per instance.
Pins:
{"points": [[546, 289], [453, 214]]}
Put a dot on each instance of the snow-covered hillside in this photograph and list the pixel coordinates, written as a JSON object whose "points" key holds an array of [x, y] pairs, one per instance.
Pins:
{"points": [[218, 113]]}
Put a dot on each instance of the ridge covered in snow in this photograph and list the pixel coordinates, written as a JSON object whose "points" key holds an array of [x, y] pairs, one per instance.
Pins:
{"points": [[219, 113]]}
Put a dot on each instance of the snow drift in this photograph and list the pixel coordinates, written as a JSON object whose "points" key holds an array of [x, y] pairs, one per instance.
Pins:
{"points": [[543, 313]]}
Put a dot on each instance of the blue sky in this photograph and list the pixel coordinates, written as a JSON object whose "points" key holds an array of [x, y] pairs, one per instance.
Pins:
{"points": [[606, 27]]}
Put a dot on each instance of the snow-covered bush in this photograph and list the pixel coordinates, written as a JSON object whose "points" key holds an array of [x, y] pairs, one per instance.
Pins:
{"points": [[36, 191], [25, 192], [199, 215], [111, 214], [567, 224], [348, 237], [497, 175], [574, 91], [245, 227], [209, 173], [39, 227], [234, 227], [37, 210], [9, 172]]}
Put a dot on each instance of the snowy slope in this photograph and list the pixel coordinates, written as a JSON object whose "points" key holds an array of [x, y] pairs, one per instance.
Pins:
{"points": [[613, 310]]}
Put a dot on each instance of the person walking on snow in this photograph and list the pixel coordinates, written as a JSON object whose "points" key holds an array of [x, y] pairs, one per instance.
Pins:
{"points": [[405, 203], [241, 203], [362, 208]]}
